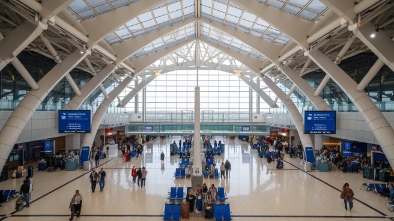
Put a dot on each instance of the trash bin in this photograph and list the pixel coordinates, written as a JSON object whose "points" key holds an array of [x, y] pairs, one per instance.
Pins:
{"points": [[86, 165], [307, 167], [93, 164], [30, 171]]}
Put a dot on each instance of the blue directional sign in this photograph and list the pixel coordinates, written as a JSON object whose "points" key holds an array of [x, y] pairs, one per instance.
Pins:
{"points": [[74, 121], [320, 122]]}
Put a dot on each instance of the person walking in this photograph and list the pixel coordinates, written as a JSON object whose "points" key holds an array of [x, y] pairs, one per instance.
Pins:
{"points": [[25, 190], [139, 176], [347, 196], [162, 156], [222, 169], [227, 166], [97, 158], [134, 174], [102, 176], [93, 179], [76, 205], [143, 177]]}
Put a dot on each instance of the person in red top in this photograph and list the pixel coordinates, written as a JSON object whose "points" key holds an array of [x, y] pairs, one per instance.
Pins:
{"points": [[134, 174]]}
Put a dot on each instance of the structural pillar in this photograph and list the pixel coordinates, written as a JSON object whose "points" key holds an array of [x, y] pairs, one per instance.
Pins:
{"points": [[21, 115], [258, 97], [379, 125], [136, 99], [197, 177], [98, 116]]}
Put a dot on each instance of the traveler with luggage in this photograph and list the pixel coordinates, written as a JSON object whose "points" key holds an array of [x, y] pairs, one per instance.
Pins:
{"points": [[94, 177], [222, 169], [25, 191], [76, 205], [102, 176], [347, 196]]}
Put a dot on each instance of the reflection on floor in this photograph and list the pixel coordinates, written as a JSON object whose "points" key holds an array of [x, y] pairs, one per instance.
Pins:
{"points": [[256, 190]]}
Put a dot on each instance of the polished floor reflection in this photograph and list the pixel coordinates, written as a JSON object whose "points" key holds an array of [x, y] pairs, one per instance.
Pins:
{"points": [[256, 190]]}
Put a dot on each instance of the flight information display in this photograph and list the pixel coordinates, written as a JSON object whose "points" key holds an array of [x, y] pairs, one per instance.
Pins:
{"points": [[320, 122], [74, 121]]}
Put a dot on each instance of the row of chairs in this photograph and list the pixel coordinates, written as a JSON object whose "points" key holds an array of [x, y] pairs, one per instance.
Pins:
{"points": [[176, 194], [221, 196], [184, 162], [7, 194], [180, 173], [222, 212], [172, 212], [377, 187]]}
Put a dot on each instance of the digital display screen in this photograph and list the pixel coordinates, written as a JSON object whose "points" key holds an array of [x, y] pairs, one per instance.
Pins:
{"points": [[320, 122], [245, 128], [148, 129], [74, 121], [347, 146]]}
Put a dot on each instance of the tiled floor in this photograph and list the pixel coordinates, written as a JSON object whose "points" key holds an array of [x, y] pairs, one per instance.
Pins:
{"points": [[256, 190]]}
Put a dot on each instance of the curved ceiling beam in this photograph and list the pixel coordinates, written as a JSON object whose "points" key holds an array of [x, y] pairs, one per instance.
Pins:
{"points": [[49, 8], [252, 63], [143, 62], [129, 47], [266, 48], [102, 25], [294, 27], [136, 89], [258, 90]]}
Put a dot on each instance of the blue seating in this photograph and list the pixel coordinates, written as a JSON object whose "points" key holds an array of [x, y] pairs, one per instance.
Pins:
{"points": [[187, 189], [177, 172], [226, 212], [218, 212], [168, 211], [183, 173], [179, 193], [176, 212], [221, 196], [172, 194], [205, 173], [222, 212]]}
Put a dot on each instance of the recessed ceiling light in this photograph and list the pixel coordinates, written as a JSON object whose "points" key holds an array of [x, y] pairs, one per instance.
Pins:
{"points": [[373, 35]]}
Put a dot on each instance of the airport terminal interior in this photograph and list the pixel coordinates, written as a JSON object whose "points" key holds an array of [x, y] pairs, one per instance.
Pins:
{"points": [[296, 94]]}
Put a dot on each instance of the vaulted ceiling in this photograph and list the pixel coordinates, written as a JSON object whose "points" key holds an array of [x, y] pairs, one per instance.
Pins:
{"points": [[271, 32]]}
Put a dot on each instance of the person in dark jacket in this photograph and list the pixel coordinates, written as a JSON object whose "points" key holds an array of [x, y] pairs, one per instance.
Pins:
{"points": [[25, 191], [76, 205], [97, 158], [94, 177], [191, 198], [139, 176]]}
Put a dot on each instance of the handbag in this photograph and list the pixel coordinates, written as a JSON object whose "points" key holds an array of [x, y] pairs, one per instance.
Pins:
{"points": [[342, 195]]}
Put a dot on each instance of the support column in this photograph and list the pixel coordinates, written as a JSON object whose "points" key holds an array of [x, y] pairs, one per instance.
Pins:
{"points": [[197, 177], [293, 111], [258, 97], [72, 142], [136, 97], [86, 90], [98, 116], [17, 40], [250, 105], [21, 115], [380, 127]]}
